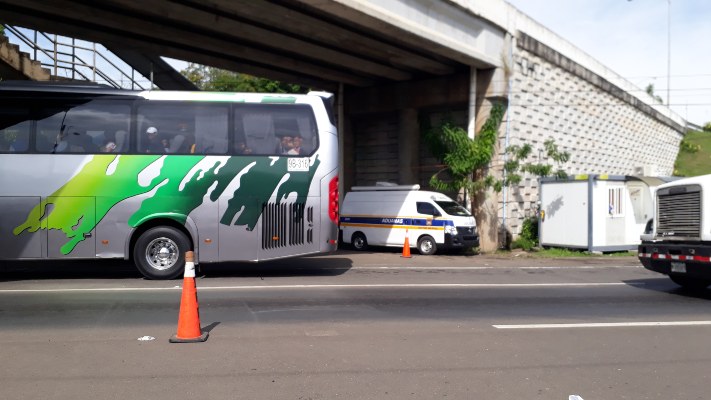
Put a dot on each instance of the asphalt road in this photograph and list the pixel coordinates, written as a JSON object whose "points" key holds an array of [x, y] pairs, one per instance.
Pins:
{"points": [[365, 326]]}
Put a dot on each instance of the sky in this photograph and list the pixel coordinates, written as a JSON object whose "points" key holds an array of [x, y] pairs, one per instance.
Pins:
{"points": [[630, 37]]}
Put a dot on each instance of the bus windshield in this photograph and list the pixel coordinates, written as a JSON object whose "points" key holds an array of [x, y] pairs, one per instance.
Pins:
{"points": [[453, 208]]}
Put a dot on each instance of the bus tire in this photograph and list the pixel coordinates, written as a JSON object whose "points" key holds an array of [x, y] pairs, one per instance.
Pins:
{"points": [[359, 242], [426, 245], [689, 283], [159, 252]]}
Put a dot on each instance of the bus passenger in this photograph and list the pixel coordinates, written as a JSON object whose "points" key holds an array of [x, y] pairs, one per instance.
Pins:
{"points": [[109, 147], [241, 148], [153, 144], [286, 143], [296, 148]]}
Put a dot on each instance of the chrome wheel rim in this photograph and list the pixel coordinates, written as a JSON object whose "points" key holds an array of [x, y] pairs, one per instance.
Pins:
{"points": [[426, 246], [162, 253], [358, 242]]}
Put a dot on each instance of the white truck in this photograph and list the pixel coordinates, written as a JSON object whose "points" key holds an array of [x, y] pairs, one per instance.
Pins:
{"points": [[384, 215], [678, 241]]}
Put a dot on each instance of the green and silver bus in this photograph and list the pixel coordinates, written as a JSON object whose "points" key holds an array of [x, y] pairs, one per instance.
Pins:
{"points": [[93, 172]]}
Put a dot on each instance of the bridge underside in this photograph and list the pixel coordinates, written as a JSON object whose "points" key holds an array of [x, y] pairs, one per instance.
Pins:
{"points": [[308, 42]]}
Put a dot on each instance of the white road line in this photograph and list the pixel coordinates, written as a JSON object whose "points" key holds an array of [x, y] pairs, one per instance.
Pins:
{"points": [[331, 286], [400, 267], [603, 325]]}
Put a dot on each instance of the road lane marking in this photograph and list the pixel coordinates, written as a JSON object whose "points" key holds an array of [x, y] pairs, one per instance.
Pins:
{"points": [[333, 286], [603, 325], [400, 267]]}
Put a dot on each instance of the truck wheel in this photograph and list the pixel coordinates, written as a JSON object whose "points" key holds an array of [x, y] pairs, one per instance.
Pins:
{"points": [[159, 252], [359, 241], [690, 283], [426, 245]]}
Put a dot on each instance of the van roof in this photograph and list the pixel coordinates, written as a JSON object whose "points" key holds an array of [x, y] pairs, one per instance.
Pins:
{"points": [[379, 186]]}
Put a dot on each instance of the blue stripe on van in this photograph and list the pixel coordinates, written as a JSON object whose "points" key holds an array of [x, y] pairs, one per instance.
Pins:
{"points": [[409, 221]]}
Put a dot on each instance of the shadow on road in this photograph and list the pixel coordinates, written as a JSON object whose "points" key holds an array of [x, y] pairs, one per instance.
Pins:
{"points": [[298, 266], [67, 269], [120, 269], [665, 285]]}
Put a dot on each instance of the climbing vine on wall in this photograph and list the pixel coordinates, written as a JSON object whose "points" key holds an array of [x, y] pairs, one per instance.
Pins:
{"points": [[463, 158], [465, 161]]}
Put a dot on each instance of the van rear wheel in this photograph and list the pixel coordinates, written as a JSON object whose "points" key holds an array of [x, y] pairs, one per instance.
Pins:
{"points": [[426, 245], [359, 242]]}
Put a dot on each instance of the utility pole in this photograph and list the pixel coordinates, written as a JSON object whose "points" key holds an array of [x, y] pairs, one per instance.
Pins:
{"points": [[668, 51]]}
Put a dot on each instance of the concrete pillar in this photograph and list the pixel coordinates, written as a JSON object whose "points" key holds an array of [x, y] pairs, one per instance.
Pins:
{"points": [[409, 147], [471, 126], [340, 121], [485, 206], [346, 145]]}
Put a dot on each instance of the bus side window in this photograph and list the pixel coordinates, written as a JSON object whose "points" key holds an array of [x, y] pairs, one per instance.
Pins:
{"points": [[15, 139], [121, 137], [259, 131]]}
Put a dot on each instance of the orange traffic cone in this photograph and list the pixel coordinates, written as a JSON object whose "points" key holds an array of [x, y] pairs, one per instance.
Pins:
{"points": [[406, 246], [189, 318]]}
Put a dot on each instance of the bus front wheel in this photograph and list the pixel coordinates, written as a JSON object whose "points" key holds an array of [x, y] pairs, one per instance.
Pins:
{"points": [[159, 252]]}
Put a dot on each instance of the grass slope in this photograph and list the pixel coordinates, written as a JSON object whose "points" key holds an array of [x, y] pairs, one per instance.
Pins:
{"points": [[694, 163]]}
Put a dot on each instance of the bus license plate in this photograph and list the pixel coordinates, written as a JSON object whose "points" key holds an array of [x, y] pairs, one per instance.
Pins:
{"points": [[679, 267]]}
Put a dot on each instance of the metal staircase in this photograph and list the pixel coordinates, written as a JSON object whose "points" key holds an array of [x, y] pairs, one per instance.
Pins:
{"points": [[66, 59]]}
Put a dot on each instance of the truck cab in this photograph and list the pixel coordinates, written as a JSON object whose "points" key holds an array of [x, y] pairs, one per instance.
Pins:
{"points": [[679, 244]]}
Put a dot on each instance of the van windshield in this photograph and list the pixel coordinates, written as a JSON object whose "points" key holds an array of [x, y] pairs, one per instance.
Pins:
{"points": [[453, 208]]}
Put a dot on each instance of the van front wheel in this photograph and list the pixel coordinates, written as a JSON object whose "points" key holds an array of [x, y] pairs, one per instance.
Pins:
{"points": [[426, 245], [359, 241]]}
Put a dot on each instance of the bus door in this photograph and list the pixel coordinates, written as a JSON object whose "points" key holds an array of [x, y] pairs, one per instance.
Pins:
{"points": [[72, 235]]}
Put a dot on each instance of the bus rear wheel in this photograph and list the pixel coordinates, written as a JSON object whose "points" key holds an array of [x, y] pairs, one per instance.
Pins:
{"points": [[159, 252]]}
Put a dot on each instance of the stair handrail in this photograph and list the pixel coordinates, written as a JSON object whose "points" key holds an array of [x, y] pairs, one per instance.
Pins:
{"points": [[75, 61]]}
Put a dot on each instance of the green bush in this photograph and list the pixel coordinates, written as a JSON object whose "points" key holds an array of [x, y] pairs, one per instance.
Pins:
{"points": [[528, 239], [689, 147], [529, 229], [523, 243]]}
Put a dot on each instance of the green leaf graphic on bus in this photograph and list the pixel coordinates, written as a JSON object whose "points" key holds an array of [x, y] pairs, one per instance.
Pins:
{"points": [[177, 185]]}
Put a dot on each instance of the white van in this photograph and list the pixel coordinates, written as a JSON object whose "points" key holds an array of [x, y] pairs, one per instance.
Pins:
{"points": [[382, 215]]}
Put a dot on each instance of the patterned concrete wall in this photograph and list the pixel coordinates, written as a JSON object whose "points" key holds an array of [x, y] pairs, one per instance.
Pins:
{"points": [[605, 130]]}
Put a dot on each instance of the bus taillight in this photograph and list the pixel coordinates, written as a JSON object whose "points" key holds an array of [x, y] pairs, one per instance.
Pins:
{"points": [[333, 199]]}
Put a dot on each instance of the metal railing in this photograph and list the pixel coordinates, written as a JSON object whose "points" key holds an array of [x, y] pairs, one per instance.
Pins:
{"points": [[74, 59]]}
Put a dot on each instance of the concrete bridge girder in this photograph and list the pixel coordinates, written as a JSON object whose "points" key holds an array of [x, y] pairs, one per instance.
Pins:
{"points": [[316, 43]]}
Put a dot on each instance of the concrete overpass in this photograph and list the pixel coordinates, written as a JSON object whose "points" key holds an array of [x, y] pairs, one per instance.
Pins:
{"points": [[318, 43], [395, 63]]}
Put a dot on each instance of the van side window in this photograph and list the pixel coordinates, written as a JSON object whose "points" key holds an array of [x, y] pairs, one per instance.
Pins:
{"points": [[427, 209]]}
